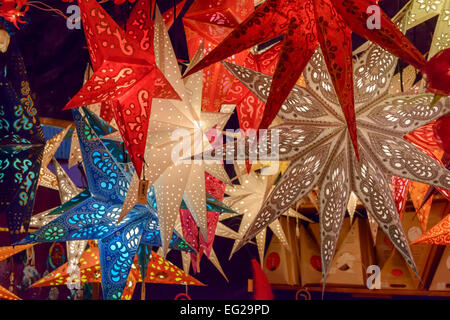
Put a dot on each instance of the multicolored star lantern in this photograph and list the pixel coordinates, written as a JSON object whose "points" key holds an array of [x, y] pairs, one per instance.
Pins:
{"points": [[205, 247], [93, 215], [186, 225], [192, 234]]}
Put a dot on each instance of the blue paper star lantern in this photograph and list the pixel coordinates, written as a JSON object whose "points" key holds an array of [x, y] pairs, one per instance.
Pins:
{"points": [[93, 215]]}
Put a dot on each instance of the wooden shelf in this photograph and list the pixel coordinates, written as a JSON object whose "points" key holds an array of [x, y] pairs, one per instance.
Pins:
{"points": [[56, 122], [362, 292], [309, 207]]}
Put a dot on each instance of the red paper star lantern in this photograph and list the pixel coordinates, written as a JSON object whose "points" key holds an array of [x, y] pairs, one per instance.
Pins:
{"points": [[428, 140], [13, 11], [306, 24], [400, 188], [125, 77], [119, 2], [249, 108], [442, 133], [210, 22], [214, 186], [194, 237]]}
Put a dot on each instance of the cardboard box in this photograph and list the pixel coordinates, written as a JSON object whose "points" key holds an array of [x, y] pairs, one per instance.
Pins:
{"points": [[353, 254], [281, 265], [310, 262], [383, 248], [396, 274], [441, 278]]}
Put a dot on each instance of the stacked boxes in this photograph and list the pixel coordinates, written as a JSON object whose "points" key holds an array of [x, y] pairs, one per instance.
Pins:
{"points": [[280, 264], [355, 252], [395, 273]]}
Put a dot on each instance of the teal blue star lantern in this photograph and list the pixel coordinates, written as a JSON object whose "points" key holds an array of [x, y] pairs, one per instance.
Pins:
{"points": [[21, 144], [102, 129], [95, 212]]}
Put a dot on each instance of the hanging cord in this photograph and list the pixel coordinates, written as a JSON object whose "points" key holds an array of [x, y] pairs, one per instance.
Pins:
{"points": [[398, 62], [143, 289], [30, 273], [124, 154], [145, 164], [30, 257], [402, 89], [174, 10], [47, 8], [198, 249], [11, 275]]}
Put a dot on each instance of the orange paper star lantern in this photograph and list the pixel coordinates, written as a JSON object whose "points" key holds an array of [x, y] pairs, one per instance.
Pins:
{"points": [[439, 234], [7, 295], [210, 22], [159, 270]]}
